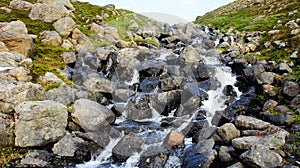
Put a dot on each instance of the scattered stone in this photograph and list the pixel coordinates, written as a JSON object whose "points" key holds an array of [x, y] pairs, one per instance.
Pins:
{"points": [[64, 26], [295, 32], [69, 57], [20, 4], [265, 78], [246, 122], [284, 68], [174, 139], [48, 13], [291, 24], [291, 88], [224, 154], [92, 116], [261, 156], [296, 101], [39, 123], [65, 3], [269, 104], [270, 89], [64, 94], [50, 78], [294, 55], [51, 37], [236, 165], [67, 45], [15, 27], [68, 145], [228, 132]]}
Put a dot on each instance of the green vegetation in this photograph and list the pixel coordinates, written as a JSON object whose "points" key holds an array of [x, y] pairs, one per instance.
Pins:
{"points": [[11, 154]]}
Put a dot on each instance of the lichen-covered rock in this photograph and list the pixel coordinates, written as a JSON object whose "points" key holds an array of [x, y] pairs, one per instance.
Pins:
{"points": [[291, 88], [68, 145], [21, 74], [51, 37], [12, 94], [64, 26], [48, 13], [15, 27], [92, 116], [66, 3], [20, 4], [261, 156], [64, 94], [228, 132], [39, 123], [190, 55], [100, 85], [37, 158], [247, 122]]}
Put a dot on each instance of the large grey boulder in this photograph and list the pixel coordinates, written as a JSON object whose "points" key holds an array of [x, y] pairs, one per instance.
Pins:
{"points": [[100, 85], [83, 42], [92, 116], [12, 94], [190, 55], [39, 123], [265, 78], [48, 13], [64, 94], [247, 122], [64, 26], [261, 156], [127, 146], [68, 145], [37, 158], [15, 27]]}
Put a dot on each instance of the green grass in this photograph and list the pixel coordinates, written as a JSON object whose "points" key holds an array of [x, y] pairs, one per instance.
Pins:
{"points": [[12, 154]]}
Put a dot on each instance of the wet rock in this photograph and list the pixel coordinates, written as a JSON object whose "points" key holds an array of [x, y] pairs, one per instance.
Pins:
{"points": [[261, 156], [200, 155], [269, 104], [48, 13], [12, 94], [236, 165], [6, 131], [64, 94], [138, 108], [64, 26], [190, 55], [37, 158], [246, 122], [228, 132], [154, 156], [127, 146], [200, 71], [92, 116], [224, 154], [51, 37], [68, 145], [164, 103], [291, 88], [101, 138], [122, 95], [265, 78], [207, 133], [20, 4], [174, 139], [171, 83], [148, 85], [44, 121]]}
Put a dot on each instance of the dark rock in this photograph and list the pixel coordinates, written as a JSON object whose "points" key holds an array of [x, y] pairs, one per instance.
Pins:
{"points": [[207, 133], [127, 146], [209, 84], [224, 154], [148, 85], [154, 156], [138, 108], [171, 83], [6, 131], [164, 103], [122, 95], [295, 102], [281, 119], [269, 104], [265, 78], [261, 156], [236, 165], [200, 71], [37, 158]]}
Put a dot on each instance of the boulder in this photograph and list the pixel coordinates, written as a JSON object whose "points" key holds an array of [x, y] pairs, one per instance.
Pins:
{"points": [[50, 78], [284, 68], [190, 55], [38, 123], [64, 94], [269, 104], [261, 156], [224, 154], [67, 45], [69, 57], [48, 13], [21, 74], [18, 42], [37, 158], [6, 131], [65, 3], [68, 145], [291, 88], [15, 27], [236, 165], [265, 78], [51, 37], [20, 4], [122, 95], [64, 26], [270, 89], [91, 116], [228, 132], [82, 41], [12, 94], [247, 122], [174, 139], [296, 101], [3, 47], [100, 85], [127, 146]]}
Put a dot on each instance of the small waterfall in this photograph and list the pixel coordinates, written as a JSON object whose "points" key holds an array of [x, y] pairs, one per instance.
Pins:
{"points": [[135, 78], [216, 97]]}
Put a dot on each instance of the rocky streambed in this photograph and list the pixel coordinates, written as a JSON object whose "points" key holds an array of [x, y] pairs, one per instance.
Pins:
{"points": [[191, 101]]}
